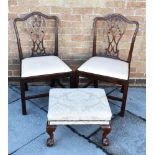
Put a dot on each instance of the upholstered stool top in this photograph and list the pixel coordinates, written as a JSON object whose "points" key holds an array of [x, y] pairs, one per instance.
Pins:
{"points": [[78, 106]]}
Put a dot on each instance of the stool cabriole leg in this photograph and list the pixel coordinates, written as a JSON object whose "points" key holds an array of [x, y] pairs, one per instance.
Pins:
{"points": [[50, 130], [106, 130]]}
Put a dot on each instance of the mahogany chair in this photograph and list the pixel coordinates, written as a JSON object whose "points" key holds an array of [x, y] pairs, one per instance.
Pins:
{"points": [[41, 64], [110, 66]]}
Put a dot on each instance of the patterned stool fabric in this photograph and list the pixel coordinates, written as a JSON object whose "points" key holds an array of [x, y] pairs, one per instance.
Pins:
{"points": [[78, 106]]}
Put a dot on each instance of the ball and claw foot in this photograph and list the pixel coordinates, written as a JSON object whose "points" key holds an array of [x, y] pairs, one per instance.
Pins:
{"points": [[50, 142], [105, 142], [106, 130], [50, 130]]}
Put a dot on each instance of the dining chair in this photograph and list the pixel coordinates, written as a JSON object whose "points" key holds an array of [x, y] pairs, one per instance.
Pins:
{"points": [[111, 64], [41, 63]]}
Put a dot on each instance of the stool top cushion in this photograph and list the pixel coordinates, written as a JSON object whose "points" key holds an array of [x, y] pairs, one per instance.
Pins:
{"points": [[78, 105]]}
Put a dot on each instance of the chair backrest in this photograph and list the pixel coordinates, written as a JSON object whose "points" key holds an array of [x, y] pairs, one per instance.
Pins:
{"points": [[114, 28], [36, 25]]}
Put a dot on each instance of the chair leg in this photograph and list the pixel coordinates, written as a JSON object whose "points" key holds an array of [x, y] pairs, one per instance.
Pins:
{"points": [[125, 92], [106, 130], [50, 130], [52, 83], [122, 88], [96, 83], [75, 79], [26, 86], [22, 86], [72, 79]]}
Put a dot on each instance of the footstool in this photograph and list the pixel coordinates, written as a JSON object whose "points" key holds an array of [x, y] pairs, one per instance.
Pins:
{"points": [[78, 106]]}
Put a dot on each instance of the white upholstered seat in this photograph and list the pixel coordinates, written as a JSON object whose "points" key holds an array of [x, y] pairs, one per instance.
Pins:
{"points": [[106, 67], [43, 65], [78, 106]]}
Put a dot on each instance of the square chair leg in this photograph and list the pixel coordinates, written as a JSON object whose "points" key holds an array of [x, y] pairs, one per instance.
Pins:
{"points": [[76, 79], [50, 130], [96, 83], [122, 88], [106, 130], [52, 83], [26, 87], [22, 86], [125, 93]]}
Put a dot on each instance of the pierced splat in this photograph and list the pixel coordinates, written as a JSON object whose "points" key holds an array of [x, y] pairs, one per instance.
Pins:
{"points": [[115, 29], [36, 28]]}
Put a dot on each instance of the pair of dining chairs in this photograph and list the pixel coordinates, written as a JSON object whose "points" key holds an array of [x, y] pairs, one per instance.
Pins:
{"points": [[42, 66]]}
